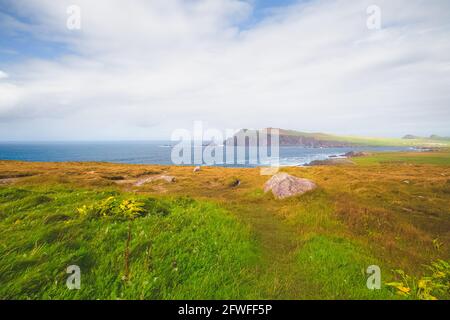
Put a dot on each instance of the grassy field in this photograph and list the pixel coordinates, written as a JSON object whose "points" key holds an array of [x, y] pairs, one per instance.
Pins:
{"points": [[436, 158], [201, 237]]}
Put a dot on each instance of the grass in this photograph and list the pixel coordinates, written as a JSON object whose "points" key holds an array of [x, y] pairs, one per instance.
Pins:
{"points": [[182, 249], [335, 264], [205, 237], [382, 142], [436, 158], [372, 141]]}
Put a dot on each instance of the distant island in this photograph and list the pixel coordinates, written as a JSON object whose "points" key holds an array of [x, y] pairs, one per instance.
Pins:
{"points": [[324, 140]]}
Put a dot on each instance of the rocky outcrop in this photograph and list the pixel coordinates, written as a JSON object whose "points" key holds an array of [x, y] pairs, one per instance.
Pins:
{"points": [[355, 154], [284, 185], [246, 137]]}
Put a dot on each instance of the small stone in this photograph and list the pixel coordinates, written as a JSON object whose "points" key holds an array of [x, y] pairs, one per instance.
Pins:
{"points": [[235, 183]]}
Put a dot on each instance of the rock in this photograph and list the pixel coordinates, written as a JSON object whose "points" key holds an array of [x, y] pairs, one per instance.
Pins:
{"points": [[143, 181], [331, 162], [284, 185], [197, 169], [167, 178], [355, 154], [235, 183]]}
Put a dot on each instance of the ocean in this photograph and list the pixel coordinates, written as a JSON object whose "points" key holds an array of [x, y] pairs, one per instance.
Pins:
{"points": [[148, 152]]}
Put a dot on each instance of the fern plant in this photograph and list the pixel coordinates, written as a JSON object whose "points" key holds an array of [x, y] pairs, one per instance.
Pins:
{"points": [[112, 207], [131, 209]]}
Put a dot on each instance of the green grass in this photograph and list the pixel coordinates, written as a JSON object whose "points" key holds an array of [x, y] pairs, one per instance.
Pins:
{"points": [[195, 250], [394, 142], [328, 263], [371, 141], [336, 264], [436, 158]]}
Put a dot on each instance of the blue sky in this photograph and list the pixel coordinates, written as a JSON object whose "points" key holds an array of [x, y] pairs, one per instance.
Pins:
{"points": [[262, 8], [140, 70], [17, 45]]}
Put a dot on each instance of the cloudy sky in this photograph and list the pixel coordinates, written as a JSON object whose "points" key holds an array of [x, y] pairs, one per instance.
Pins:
{"points": [[139, 69]]}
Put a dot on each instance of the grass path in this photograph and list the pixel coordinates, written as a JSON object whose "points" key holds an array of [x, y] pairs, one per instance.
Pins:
{"points": [[279, 242]]}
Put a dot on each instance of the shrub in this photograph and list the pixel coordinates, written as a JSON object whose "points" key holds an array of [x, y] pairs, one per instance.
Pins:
{"points": [[131, 209], [113, 207]]}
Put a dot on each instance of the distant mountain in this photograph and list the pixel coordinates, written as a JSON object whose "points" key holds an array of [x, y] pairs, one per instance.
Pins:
{"points": [[313, 140], [410, 137], [324, 140], [289, 138], [294, 138], [435, 137]]}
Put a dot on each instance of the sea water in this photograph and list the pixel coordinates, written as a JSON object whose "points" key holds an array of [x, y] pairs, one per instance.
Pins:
{"points": [[149, 152]]}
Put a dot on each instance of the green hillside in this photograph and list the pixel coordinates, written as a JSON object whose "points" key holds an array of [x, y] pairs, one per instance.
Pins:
{"points": [[432, 141]]}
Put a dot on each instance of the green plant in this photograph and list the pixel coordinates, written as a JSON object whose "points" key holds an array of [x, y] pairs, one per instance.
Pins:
{"points": [[432, 287], [131, 209], [113, 207], [437, 244], [128, 209]]}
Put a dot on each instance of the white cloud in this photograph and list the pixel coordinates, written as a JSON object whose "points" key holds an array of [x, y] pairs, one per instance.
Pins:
{"points": [[140, 69], [3, 75]]}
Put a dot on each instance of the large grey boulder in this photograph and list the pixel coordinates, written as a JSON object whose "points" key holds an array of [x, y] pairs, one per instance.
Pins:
{"points": [[284, 185]]}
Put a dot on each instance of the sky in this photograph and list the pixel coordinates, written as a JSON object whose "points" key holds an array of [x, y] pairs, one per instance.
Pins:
{"points": [[141, 69]]}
